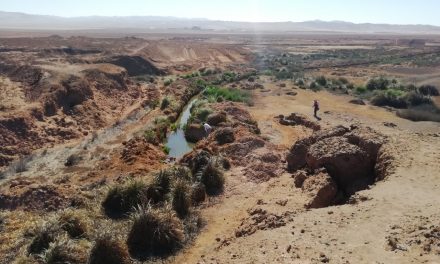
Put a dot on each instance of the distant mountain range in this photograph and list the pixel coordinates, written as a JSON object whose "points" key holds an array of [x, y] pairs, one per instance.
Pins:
{"points": [[21, 21]]}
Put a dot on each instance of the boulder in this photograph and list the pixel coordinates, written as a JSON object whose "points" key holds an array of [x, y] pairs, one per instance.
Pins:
{"points": [[296, 158], [224, 135], [299, 177], [357, 101], [216, 118], [348, 164], [322, 189], [194, 133]]}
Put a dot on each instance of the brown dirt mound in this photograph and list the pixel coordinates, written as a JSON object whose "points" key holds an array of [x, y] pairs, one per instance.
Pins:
{"points": [[45, 197], [295, 119], [138, 150]]}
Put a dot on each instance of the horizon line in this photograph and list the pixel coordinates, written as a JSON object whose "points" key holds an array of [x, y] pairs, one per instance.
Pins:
{"points": [[218, 20]]}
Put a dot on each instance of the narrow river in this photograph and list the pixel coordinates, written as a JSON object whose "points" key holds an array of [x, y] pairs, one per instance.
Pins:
{"points": [[176, 140]]}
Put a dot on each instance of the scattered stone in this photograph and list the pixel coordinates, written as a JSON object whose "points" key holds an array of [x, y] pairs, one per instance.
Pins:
{"points": [[389, 124], [282, 202]]}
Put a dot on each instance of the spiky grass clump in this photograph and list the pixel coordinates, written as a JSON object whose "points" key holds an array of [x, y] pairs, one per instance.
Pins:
{"points": [[180, 198], [163, 179], [43, 236], [154, 232], [108, 250], [75, 223], [121, 200], [64, 251], [211, 175], [180, 172]]}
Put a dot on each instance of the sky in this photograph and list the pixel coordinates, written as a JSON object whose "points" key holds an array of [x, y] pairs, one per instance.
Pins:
{"points": [[357, 11]]}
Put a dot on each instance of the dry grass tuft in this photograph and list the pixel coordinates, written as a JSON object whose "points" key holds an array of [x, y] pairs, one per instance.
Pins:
{"points": [[75, 223], [108, 250], [122, 199], [154, 232], [180, 198]]}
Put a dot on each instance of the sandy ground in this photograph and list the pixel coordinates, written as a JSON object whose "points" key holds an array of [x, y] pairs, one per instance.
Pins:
{"points": [[407, 200]]}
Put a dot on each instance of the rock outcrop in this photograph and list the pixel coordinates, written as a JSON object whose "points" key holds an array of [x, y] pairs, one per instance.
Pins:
{"points": [[348, 157]]}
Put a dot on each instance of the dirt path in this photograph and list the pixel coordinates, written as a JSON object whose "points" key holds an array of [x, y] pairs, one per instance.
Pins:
{"points": [[392, 210]]}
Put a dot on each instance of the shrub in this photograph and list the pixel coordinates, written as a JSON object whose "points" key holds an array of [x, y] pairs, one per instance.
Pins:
{"points": [[203, 113], [166, 149], [421, 113], [212, 176], [75, 223], [121, 200], [107, 250], [380, 83], [154, 232], [283, 74], [313, 86], [321, 80], [168, 82], [429, 90], [360, 90], [165, 103], [161, 128], [414, 99], [174, 127], [228, 94], [388, 98], [150, 136], [180, 198]]}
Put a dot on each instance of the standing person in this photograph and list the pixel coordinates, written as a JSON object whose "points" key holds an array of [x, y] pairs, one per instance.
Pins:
{"points": [[207, 127], [315, 108]]}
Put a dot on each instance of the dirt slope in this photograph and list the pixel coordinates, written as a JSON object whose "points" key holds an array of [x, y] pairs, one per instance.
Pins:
{"points": [[391, 222]]}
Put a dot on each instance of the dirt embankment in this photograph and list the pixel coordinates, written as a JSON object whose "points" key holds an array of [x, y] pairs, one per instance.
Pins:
{"points": [[64, 106]]}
